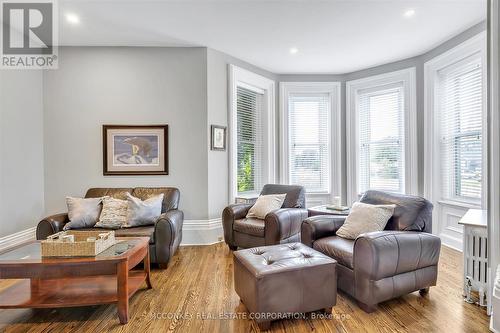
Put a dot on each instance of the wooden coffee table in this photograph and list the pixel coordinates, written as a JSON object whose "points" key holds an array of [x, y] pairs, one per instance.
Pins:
{"points": [[65, 282]]}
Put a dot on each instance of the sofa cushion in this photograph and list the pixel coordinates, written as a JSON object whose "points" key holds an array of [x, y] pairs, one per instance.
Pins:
{"points": [[117, 193], [250, 226], [338, 248], [412, 213], [170, 196], [82, 213], [113, 214], [365, 218], [295, 195], [144, 231], [266, 204], [143, 212]]}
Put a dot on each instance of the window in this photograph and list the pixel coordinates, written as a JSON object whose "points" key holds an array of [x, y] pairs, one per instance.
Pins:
{"points": [[381, 140], [251, 132], [381, 134], [309, 146], [454, 135], [311, 138], [249, 106], [460, 105]]}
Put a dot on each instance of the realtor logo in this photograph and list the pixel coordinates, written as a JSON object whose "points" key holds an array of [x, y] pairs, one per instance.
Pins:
{"points": [[29, 34]]}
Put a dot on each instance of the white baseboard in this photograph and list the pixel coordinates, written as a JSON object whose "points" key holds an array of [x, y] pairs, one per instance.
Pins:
{"points": [[202, 232], [194, 232], [452, 242], [17, 238]]}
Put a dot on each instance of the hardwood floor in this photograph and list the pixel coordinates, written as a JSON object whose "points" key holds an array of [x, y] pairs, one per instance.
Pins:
{"points": [[198, 285]]}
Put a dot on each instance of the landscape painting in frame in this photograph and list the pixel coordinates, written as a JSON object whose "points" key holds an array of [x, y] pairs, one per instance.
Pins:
{"points": [[135, 150]]}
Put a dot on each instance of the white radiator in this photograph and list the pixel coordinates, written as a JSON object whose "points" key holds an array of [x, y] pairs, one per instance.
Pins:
{"points": [[475, 247], [476, 257]]}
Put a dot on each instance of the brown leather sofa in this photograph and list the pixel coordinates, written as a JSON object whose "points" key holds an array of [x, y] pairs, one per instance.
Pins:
{"points": [[165, 235], [280, 226], [379, 266]]}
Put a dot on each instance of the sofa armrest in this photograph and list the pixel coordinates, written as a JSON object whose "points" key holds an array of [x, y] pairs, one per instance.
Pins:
{"points": [[51, 225], [320, 226], [382, 254], [283, 223], [229, 214], [168, 234]]}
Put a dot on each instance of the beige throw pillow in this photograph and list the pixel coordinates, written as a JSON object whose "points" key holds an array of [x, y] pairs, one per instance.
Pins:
{"points": [[365, 218], [266, 204], [114, 213], [82, 213], [143, 212]]}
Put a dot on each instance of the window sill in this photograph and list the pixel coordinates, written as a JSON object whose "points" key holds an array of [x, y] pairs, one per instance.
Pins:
{"points": [[461, 204], [317, 193]]}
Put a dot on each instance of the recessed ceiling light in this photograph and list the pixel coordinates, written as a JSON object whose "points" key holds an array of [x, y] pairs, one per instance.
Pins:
{"points": [[409, 13], [294, 50], [72, 18]]}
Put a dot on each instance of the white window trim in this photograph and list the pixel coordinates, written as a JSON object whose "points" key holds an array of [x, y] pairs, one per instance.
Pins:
{"points": [[408, 78], [244, 78], [334, 131], [432, 182], [494, 149]]}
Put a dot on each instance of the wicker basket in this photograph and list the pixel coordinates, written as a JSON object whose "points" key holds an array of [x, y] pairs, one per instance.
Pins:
{"points": [[57, 246]]}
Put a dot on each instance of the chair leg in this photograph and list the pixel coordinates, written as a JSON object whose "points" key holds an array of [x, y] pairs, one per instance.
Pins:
{"points": [[232, 247], [424, 291], [367, 308]]}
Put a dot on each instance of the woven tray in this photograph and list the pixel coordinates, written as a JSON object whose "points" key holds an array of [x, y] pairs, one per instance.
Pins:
{"points": [[55, 246]]}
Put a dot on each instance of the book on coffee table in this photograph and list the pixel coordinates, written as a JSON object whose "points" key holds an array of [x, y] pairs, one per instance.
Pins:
{"points": [[337, 208]]}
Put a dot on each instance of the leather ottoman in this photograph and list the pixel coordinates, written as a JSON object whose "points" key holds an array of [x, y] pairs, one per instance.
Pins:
{"points": [[282, 280]]}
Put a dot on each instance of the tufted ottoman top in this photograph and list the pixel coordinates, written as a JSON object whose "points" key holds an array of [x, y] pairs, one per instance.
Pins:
{"points": [[265, 260]]}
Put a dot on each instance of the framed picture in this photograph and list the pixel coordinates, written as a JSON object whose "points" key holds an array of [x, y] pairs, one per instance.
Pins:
{"points": [[218, 137], [135, 150]]}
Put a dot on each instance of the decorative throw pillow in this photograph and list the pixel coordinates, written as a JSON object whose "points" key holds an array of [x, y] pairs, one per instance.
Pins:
{"points": [[365, 218], [266, 204], [82, 213], [143, 212], [113, 214]]}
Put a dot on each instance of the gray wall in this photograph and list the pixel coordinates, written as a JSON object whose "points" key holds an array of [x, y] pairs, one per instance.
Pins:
{"points": [[21, 150], [125, 85], [218, 161]]}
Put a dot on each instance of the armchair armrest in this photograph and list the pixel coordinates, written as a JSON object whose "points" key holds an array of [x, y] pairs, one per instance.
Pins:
{"points": [[51, 225], [382, 254], [320, 226], [168, 234], [231, 213], [283, 223]]}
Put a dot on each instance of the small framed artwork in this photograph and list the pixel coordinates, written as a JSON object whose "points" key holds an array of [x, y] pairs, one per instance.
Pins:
{"points": [[135, 150], [218, 137]]}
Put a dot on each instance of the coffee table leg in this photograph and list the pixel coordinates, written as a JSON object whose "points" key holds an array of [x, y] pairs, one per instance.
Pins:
{"points": [[35, 286], [147, 269], [122, 286]]}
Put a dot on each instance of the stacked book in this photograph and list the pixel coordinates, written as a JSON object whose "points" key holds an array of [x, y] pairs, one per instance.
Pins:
{"points": [[340, 209]]}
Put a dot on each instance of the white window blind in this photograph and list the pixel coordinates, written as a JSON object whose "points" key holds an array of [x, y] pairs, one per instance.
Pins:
{"points": [[460, 103], [381, 139], [309, 147], [249, 106]]}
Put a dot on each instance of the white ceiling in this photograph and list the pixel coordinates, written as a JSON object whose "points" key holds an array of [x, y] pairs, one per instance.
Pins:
{"points": [[336, 36]]}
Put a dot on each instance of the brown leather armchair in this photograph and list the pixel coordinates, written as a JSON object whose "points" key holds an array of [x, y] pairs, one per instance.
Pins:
{"points": [[280, 226], [378, 266], [165, 235]]}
